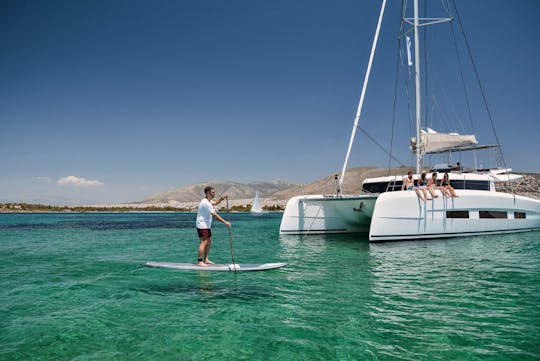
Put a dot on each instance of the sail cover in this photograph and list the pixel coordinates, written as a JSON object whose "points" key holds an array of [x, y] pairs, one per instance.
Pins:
{"points": [[434, 142]]}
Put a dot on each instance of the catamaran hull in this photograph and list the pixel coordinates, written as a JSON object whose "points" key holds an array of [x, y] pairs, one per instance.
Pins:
{"points": [[319, 214], [402, 215]]}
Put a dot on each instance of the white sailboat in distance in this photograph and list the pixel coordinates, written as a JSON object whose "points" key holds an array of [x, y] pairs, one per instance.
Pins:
{"points": [[256, 207]]}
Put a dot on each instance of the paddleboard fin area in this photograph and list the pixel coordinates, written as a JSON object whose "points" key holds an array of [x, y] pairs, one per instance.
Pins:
{"points": [[236, 267]]}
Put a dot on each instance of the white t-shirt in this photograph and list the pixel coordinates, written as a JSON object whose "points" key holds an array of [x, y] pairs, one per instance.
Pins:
{"points": [[204, 214]]}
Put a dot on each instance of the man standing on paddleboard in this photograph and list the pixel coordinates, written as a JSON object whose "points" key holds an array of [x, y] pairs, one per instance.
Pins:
{"points": [[204, 223]]}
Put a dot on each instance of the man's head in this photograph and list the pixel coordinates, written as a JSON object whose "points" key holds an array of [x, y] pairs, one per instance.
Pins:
{"points": [[209, 190]]}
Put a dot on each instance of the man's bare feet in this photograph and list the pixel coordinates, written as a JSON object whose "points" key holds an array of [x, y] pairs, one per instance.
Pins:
{"points": [[202, 264], [208, 262]]}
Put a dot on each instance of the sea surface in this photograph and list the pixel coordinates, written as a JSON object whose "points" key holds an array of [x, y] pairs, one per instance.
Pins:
{"points": [[73, 288]]}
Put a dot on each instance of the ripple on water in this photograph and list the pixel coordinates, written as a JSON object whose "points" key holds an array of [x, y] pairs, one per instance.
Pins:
{"points": [[75, 288]]}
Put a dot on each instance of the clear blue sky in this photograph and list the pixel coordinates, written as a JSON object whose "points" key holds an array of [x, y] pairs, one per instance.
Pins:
{"points": [[138, 97]]}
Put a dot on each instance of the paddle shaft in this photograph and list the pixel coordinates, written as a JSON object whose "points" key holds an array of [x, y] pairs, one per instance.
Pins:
{"points": [[230, 237], [232, 249]]}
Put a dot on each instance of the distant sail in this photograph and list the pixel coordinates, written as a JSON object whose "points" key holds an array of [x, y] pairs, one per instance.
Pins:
{"points": [[256, 206]]}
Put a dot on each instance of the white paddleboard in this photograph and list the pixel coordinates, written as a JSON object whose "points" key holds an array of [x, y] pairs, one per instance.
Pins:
{"points": [[238, 267]]}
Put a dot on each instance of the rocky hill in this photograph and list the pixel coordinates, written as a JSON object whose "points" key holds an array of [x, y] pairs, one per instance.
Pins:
{"points": [[277, 192], [235, 190], [528, 186], [274, 193], [351, 185]]}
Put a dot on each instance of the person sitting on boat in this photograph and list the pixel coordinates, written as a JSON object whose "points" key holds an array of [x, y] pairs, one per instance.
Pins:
{"points": [[446, 189], [408, 182], [422, 186], [432, 185]]}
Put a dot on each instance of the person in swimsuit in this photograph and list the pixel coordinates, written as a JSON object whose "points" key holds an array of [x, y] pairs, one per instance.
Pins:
{"points": [[422, 186], [446, 189], [432, 185], [408, 182], [205, 214]]}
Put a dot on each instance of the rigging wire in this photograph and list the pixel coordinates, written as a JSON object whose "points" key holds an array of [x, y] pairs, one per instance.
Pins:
{"points": [[427, 73], [482, 92], [406, 74], [380, 146], [395, 110], [461, 73], [400, 59], [450, 8], [498, 150]]}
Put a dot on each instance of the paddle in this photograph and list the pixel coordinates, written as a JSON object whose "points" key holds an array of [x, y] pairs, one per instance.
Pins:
{"points": [[232, 249], [230, 238]]}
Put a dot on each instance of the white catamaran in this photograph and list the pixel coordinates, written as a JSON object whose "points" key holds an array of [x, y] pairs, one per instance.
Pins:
{"points": [[387, 213]]}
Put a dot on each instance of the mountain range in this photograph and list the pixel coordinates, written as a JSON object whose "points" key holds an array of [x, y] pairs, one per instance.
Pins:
{"points": [[275, 192], [235, 190]]}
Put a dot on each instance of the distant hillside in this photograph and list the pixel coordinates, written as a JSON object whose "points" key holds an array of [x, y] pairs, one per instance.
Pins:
{"points": [[235, 190], [351, 185], [528, 186], [279, 191], [276, 192]]}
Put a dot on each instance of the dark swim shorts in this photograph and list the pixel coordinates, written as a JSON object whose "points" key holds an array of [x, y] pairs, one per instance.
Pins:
{"points": [[206, 232]]}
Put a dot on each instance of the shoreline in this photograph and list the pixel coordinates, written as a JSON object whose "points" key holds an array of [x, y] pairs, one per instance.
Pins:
{"points": [[238, 206], [528, 186]]}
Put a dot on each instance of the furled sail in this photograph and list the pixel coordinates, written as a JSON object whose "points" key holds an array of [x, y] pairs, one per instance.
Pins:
{"points": [[434, 142]]}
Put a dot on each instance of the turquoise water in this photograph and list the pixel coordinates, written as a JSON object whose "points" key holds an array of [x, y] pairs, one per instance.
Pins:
{"points": [[73, 288]]}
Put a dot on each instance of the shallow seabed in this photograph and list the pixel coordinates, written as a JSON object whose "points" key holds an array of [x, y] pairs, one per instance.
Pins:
{"points": [[73, 287]]}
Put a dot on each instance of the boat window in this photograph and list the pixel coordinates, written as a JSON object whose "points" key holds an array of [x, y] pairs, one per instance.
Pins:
{"points": [[520, 215], [493, 214], [470, 184], [394, 186], [457, 214], [378, 187], [381, 187]]}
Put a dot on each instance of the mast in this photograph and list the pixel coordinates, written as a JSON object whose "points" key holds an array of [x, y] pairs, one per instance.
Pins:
{"points": [[361, 102], [417, 83], [416, 23]]}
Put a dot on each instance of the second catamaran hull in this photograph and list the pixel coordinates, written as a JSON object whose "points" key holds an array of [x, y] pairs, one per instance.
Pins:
{"points": [[319, 214], [402, 215]]}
